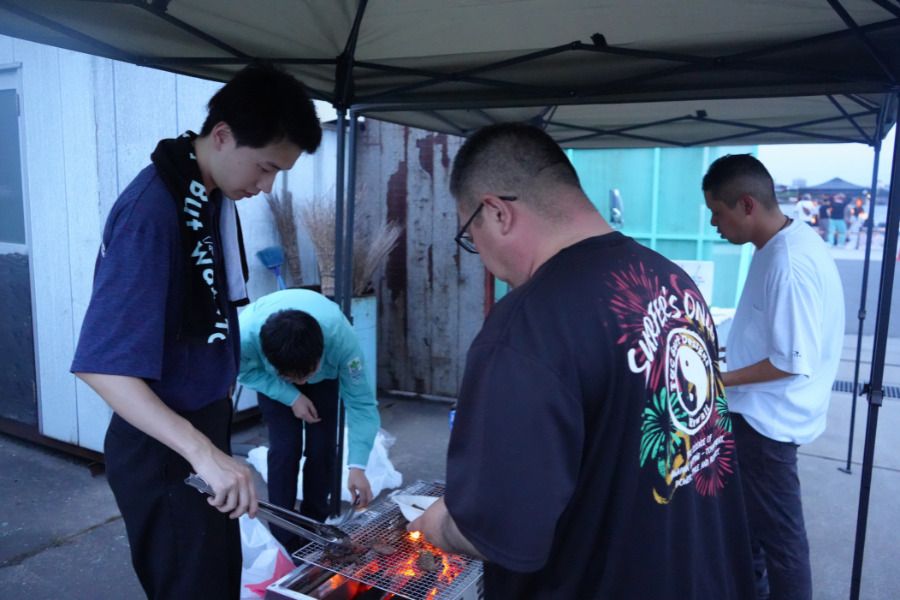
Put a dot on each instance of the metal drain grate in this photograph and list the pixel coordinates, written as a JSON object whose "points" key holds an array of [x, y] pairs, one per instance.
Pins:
{"points": [[399, 572], [890, 391]]}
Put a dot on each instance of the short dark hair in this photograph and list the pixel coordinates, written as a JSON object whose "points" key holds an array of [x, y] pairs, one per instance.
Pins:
{"points": [[733, 175], [507, 157], [292, 341], [263, 104]]}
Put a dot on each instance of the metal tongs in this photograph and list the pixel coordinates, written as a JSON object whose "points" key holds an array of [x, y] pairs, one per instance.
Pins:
{"points": [[310, 529]]}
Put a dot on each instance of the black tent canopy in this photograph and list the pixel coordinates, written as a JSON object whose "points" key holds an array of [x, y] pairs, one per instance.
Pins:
{"points": [[824, 66], [593, 74]]}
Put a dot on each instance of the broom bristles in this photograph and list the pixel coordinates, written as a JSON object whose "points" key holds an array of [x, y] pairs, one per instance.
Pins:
{"points": [[282, 208], [370, 248]]}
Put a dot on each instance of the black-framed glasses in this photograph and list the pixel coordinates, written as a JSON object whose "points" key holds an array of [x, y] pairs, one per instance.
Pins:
{"points": [[463, 238]]}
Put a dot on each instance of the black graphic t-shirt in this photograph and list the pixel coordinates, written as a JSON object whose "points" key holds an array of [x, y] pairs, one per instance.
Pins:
{"points": [[592, 453]]}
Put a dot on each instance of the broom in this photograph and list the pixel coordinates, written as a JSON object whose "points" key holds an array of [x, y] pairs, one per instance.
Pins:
{"points": [[272, 258]]}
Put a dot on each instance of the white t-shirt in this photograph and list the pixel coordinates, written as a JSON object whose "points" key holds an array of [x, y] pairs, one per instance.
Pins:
{"points": [[792, 312], [805, 211]]}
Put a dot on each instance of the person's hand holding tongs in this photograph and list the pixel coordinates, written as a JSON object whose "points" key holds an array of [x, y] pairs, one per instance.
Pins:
{"points": [[309, 529]]}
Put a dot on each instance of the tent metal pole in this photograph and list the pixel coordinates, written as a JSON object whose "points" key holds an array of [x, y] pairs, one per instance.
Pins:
{"points": [[338, 297], [879, 132], [689, 64], [874, 389], [850, 118], [347, 274], [159, 9], [101, 48], [343, 92], [870, 47], [339, 205], [457, 129]]}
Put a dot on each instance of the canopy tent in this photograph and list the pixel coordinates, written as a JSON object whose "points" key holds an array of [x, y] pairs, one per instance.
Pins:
{"points": [[639, 73], [466, 63], [835, 185]]}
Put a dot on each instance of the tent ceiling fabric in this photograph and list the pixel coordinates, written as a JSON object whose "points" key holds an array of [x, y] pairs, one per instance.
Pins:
{"points": [[806, 119], [602, 72]]}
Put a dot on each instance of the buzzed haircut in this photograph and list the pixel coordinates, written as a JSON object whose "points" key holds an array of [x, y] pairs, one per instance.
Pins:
{"points": [[734, 175], [292, 341], [507, 158], [263, 104]]}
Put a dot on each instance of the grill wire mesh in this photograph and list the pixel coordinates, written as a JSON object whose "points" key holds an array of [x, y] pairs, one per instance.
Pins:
{"points": [[400, 572]]}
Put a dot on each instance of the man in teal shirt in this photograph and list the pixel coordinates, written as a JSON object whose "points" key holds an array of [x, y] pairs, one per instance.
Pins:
{"points": [[300, 354]]}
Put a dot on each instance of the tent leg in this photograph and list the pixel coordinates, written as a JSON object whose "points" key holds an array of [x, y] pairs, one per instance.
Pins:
{"points": [[343, 273], [339, 205], [338, 297], [875, 391], [879, 132], [347, 273]]}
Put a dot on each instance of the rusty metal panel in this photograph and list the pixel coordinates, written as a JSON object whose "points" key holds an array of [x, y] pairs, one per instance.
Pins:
{"points": [[430, 297]]}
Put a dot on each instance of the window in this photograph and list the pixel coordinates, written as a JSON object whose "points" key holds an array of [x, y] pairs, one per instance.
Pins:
{"points": [[12, 203]]}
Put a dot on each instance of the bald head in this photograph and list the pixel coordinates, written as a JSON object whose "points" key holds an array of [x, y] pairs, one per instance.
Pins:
{"points": [[514, 159], [735, 175]]}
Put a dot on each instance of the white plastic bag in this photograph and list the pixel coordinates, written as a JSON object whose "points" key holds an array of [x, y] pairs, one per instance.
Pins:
{"points": [[379, 470], [264, 559]]}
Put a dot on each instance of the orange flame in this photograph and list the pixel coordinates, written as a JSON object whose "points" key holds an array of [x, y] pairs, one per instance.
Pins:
{"points": [[451, 566], [406, 568]]}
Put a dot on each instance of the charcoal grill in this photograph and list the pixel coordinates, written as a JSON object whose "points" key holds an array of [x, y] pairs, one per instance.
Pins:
{"points": [[372, 575]]}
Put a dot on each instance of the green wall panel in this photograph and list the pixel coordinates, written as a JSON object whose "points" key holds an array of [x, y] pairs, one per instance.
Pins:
{"points": [[677, 249], [680, 198], [631, 172], [663, 205]]}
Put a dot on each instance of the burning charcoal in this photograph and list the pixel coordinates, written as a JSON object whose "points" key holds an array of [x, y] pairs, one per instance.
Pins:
{"points": [[384, 549], [427, 561]]}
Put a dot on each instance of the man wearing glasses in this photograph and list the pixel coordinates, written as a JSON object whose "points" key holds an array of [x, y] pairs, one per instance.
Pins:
{"points": [[592, 453]]}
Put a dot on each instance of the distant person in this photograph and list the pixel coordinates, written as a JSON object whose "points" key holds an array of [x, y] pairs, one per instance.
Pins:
{"points": [[300, 353], [837, 225], [805, 210], [592, 454], [824, 216], [784, 348], [160, 338], [854, 226]]}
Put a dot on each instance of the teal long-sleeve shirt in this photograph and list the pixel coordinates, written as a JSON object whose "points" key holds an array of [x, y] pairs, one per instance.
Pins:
{"points": [[342, 359]]}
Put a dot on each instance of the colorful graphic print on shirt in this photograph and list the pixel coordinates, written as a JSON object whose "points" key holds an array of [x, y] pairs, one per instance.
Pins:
{"points": [[668, 335]]}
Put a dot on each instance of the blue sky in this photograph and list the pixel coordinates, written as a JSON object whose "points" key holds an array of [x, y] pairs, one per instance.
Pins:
{"points": [[820, 162]]}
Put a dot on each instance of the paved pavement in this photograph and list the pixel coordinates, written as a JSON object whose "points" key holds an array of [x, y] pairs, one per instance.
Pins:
{"points": [[61, 536]]}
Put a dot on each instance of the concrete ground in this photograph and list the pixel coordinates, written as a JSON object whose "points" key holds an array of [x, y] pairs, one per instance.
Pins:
{"points": [[61, 536]]}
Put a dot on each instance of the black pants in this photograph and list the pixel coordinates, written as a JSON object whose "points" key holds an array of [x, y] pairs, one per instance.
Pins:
{"points": [[775, 514], [181, 547], [286, 447]]}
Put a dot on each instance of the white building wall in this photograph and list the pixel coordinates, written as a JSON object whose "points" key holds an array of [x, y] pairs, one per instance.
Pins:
{"points": [[89, 126]]}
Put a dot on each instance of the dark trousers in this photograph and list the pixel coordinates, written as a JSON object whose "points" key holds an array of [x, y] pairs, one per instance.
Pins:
{"points": [[286, 448], [181, 547], [775, 514]]}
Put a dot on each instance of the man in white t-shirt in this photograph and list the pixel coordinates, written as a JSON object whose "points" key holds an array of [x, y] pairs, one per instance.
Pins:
{"points": [[783, 351], [805, 210]]}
